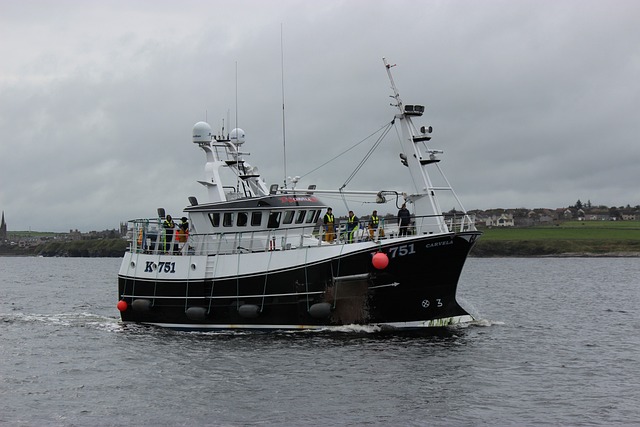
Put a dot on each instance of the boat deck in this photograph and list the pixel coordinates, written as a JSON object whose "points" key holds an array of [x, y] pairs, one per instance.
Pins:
{"points": [[148, 236]]}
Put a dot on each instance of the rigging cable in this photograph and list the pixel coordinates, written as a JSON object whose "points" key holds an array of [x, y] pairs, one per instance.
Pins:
{"points": [[414, 180], [366, 157], [388, 125]]}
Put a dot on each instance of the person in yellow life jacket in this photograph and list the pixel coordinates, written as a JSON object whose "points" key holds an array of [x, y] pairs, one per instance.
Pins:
{"points": [[374, 222], [352, 227], [142, 235], [168, 226], [329, 226]]}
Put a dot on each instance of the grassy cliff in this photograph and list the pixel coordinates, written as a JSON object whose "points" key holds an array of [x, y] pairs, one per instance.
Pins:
{"points": [[85, 248], [77, 248], [577, 238]]}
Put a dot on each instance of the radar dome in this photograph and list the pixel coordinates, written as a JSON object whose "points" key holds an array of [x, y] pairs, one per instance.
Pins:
{"points": [[237, 136], [201, 132]]}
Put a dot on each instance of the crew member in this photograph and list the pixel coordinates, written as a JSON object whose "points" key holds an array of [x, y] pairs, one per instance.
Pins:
{"points": [[183, 230], [329, 226], [374, 221], [404, 218], [169, 227], [352, 227]]}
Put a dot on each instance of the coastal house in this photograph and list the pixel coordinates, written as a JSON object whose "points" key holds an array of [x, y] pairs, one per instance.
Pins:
{"points": [[504, 220], [30, 242], [597, 217]]}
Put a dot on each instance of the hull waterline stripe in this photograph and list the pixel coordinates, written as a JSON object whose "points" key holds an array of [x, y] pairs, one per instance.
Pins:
{"points": [[421, 324]]}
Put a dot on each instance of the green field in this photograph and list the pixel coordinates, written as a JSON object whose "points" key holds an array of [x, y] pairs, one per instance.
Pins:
{"points": [[571, 237], [600, 230]]}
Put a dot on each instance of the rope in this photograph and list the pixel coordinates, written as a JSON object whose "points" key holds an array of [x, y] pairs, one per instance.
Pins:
{"points": [[186, 299], [214, 275], [266, 277], [306, 279]]}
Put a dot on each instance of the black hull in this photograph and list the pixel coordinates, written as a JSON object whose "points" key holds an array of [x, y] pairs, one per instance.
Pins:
{"points": [[416, 290]]}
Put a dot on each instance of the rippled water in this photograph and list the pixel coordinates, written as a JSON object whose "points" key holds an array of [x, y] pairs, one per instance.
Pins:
{"points": [[556, 342]]}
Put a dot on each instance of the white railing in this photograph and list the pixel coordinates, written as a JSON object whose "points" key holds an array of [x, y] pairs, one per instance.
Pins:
{"points": [[149, 236]]}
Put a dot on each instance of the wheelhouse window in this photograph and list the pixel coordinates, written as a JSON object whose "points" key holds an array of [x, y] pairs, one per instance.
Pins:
{"points": [[274, 220], [256, 219], [215, 219], [288, 217], [310, 215], [242, 219], [227, 220], [300, 217]]}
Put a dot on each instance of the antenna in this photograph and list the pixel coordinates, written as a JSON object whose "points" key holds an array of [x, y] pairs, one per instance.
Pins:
{"points": [[237, 151], [396, 95], [284, 140], [236, 94]]}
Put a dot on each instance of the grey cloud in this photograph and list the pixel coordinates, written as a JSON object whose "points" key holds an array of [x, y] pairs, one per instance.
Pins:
{"points": [[535, 103]]}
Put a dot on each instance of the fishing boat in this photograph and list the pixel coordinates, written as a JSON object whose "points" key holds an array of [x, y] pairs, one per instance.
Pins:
{"points": [[259, 257]]}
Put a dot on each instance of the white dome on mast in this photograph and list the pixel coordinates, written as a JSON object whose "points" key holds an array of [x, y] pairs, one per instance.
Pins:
{"points": [[237, 136], [201, 132]]}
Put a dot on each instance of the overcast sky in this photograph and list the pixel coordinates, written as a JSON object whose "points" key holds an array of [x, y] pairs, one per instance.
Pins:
{"points": [[535, 103]]}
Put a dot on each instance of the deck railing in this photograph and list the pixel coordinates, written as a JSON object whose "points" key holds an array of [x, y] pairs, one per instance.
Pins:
{"points": [[149, 236]]}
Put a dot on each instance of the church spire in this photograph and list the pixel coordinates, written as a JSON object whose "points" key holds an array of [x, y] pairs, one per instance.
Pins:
{"points": [[3, 229]]}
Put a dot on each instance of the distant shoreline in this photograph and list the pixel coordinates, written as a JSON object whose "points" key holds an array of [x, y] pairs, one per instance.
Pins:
{"points": [[565, 255], [485, 248]]}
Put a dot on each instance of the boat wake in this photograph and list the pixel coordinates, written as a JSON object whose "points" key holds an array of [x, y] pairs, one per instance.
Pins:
{"points": [[480, 323], [352, 330], [83, 320], [478, 319]]}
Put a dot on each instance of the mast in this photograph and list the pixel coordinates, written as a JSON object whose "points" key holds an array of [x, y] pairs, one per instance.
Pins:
{"points": [[424, 200], [396, 95]]}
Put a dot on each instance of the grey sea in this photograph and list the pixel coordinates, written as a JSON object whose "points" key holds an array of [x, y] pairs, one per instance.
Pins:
{"points": [[556, 342]]}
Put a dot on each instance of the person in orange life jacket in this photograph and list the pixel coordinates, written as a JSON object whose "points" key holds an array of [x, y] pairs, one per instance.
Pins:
{"points": [[329, 225], [404, 218], [183, 230], [352, 227], [169, 226], [374, 221]]}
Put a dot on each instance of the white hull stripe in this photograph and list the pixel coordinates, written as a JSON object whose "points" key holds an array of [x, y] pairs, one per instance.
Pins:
{"points": [[435, 323]]}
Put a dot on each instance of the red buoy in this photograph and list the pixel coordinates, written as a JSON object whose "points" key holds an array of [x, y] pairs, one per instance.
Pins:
{"points": [[380, 260], [122, 305]]}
